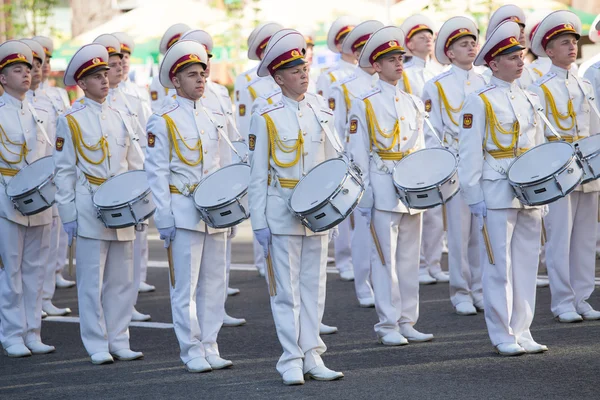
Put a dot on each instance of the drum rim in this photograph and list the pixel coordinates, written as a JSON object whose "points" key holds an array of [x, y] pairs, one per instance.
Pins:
{"points": [[592, 154], [430, 186], [129, 225], [303, 219], [44, 182], [227, 202], [545, 178], [333, 193], [112, 207]]}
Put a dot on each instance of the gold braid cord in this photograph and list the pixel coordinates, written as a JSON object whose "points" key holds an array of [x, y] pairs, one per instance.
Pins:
{"points": [[276, 143], [407, 87], [557, 115], [3, 140], [346, 99], [81, 147], [492, 125], [375, 129], [449, 108], [174, 134]]}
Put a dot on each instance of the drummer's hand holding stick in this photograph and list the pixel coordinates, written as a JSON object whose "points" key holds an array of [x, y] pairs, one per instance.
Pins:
{"points": [[168, 235], [71, 231], [263, 237], [479, 210]]}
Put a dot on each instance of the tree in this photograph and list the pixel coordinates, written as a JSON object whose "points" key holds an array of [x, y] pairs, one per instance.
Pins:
{"points": [[26, 17]]}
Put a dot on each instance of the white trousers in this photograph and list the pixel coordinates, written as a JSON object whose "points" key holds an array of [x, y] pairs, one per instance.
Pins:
{"points": [[140, 259], [50, 265], [432, 242], [197, 302], [571, 251], [342, 248], [509, 286], [361, 257], [464, 263], [259, 255], [106, 293], [299, 264], [63, 248], [24, 252], [396, 284]]}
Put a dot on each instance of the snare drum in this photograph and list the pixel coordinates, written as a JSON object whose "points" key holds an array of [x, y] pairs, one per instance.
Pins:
{"points": [[327, 194], [588, 150], [545, 173], [124, 200], [426, 178], [242, 148], [222, 197], [32, 189]]}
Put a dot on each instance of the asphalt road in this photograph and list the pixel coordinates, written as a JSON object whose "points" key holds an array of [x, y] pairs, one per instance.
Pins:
{"points": [[458, 364]]}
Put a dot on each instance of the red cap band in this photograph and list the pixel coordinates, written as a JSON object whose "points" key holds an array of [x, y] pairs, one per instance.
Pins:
{"points": [[385, 48], [346, 29], [415, 29], [360, 41], [457, 34], [88, 65], [173, 40], [557, 30], [13, 58], [285, 58], [500, 47], [262, 46], [187, 59]]}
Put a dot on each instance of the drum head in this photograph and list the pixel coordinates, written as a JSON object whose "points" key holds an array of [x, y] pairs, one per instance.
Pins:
{"points": [[589, 145], [318, 184], [540, 162], [424, 168], [222, 186], [31, 176], [121, 189]]}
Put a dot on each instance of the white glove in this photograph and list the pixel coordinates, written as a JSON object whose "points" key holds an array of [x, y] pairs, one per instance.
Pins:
{"points": [[545, 210], [140, 227], [167, 234], [365, 212], [232, 232], [263, 237], [479, 210], [71, 230], [334, 233]]}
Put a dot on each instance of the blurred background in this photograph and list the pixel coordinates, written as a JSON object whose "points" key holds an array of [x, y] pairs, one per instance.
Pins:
{"points": [[72, 23]]}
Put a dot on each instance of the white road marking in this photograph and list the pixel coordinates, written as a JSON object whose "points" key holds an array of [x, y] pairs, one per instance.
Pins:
{"points": [[75, 320]]}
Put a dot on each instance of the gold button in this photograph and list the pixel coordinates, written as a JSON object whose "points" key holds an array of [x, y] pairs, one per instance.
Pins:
{"points": [[300, 114], [206, 171], [304, 133], [103, 116], [285, 138], [397, 99], [196, 113], [404, 138], [305, 154], [114, 99], [468, 83], [512, 97], [402, 118], [22, 112], [35, 99], [205, 151], [566, 82], [202, 132]]}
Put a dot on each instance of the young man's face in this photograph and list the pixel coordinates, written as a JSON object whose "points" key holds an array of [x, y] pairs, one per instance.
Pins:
{"points": [[508, 67], [294, 80], [563, 49], [115, 73], [191, 81], [95, 85], [36, 73], [46, 68], [126, 62], [463, 50], [421, 43], [16, 78], [390, 67]]}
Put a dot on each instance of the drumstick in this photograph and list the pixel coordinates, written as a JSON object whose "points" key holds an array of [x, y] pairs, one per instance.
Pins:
{"points": [[71, 259], [271, 276], [1, 263], [171, 268], [544, 238], [352, 221], [377, 244], [488, 244], [444, 217]]}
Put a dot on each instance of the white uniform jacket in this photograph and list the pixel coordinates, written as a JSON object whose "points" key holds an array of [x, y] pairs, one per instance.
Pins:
{"points": [[331, 75], [98, 123], [194, 127], [133, 89], [132, 111], [592, 74], [478, 180], [216, 97], [390, 105], [158, 93], [418, 72], [58, 95], [456, 84], [527, 77], [343, 92], [21, 133], [292, 120], [564, 86]]}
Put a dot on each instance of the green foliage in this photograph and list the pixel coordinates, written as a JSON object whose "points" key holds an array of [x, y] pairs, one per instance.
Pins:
{"points": [[27, 18]]}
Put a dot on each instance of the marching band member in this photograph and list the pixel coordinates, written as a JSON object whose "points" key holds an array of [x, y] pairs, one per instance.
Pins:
{"points": [[571, 233], [38, 97], [25, 240], [288, 139], [501, 118], [93, 145], [60, 103], [216, 98], [138, 104], [184, 146], [338, 31], [132, 112], [444, 96], [386, 124], [419, 31], [157, 91], [342, 93], [248, 88]]}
